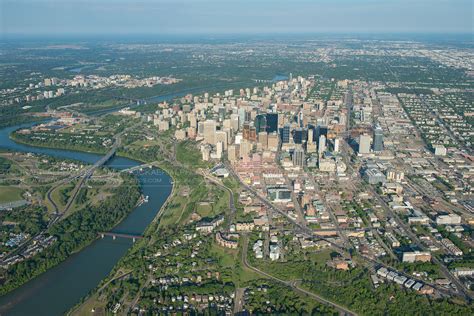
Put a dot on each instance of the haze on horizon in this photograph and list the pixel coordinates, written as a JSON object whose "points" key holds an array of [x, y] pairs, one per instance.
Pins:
{"points": [[95, 17]]}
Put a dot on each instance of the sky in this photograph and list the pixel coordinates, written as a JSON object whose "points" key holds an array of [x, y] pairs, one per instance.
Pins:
{"points": [[96, 17]]}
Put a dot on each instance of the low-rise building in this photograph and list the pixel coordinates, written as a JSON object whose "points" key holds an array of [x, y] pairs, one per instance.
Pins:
{"points": [[414, 256]]}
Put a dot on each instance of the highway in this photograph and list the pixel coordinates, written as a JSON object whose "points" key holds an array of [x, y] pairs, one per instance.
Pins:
{"points": [[229, 191], [83, 175]]}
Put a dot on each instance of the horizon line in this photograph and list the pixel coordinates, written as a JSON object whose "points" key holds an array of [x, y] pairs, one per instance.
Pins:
{"points": [[228, 34]]}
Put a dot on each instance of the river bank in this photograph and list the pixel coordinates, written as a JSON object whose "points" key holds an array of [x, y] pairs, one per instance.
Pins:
{"points": [[64, 247], [17, 139], [56, 290]]}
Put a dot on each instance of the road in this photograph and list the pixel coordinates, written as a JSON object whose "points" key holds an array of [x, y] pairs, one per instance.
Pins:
{"points": [[435, 114], [239, 300], [308, 232], [229, 191], [468, 296], [83, 175], [292, 284], [414, 238]]}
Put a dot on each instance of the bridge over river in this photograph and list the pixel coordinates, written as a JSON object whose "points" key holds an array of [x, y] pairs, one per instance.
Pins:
{"points": [[120, 235]]}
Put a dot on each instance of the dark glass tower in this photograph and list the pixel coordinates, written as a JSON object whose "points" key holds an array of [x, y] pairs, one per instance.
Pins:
{"points": [[285, 134], [321, 130], [300, 136], [261, 123], [272, 122]]}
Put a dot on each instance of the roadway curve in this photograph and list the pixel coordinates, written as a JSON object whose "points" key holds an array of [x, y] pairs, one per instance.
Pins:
{"points": [[292, 284]]}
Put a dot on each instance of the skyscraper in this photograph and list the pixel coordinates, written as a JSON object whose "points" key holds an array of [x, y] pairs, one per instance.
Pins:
{"points": [[249, 132], [378, 139], [261, 123], [314, 132], [272, 141], [285, 134], [300, 136], [321, 130], [234, 122], [242, 117], [310, 144], [364, 144], [321, 145], [221, 112], [300, 119], [337, 142], [298, 157], [209, 131], [310, 136], [272, 122], [263, 139]]}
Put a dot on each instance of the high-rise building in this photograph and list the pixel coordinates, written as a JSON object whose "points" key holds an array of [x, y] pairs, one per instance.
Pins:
{"points": [[285, 134], [337, 142], [234, 122], [200, 128], [272, 141], [206, 152], [221, 113], [300, 136], [378, 139], [321, 145], [209, 131], [321, 130], [272, 122], [221, 136], [298, 157], [310, 136], [249, 132], [192, 120], [261, 123], [219, 149], [245, 148], [242, 117], [300, 119], [233, 153], [310, 144], [364, 144], [263, 139]]}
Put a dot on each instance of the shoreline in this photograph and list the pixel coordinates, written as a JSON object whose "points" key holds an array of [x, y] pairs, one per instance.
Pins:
{"points": [[74, 252], [22, 142], [155, 218]]}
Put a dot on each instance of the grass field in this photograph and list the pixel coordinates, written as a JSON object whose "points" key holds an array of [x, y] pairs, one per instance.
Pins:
{"points": [[204, 209], [10, 194], [188, 154], [230, 260], [58, 197], [90, 304]]}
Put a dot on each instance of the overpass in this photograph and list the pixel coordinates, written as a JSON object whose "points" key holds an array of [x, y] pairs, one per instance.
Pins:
{"points": [[83, 176], [105, 158]]}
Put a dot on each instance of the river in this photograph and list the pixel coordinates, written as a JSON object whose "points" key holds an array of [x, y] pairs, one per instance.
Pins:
{"points": [[60, 288]]}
